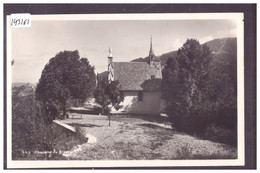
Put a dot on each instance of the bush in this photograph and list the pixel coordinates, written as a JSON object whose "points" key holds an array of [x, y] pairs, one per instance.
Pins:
{"points": [[97, 110], [185, 152], [227, 119], [192, 124], [216, 128], [220, 134], [33, 130], [26, 119], [219, 127]]}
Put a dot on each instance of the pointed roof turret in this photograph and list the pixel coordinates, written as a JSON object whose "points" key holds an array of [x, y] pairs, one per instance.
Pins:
{"points": [[110, 66], [151, 53], [109, 52], [151, 47]]}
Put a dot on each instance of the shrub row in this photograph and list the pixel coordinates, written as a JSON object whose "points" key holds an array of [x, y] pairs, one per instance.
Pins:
{"points": [[219, 127]]}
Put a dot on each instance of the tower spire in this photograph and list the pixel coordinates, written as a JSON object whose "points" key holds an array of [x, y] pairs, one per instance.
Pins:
{"points": [[109, 52], [110, 66], [151, 46], [151, 53]]}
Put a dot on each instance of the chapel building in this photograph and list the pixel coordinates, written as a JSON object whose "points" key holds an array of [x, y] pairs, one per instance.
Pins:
{"points": [[140, 83]]}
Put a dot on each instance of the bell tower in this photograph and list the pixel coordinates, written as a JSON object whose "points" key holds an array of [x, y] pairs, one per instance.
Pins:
{"points": [[110, 66]]}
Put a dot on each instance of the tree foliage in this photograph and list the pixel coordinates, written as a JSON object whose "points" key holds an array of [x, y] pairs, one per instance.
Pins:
{"points": [[185, 81], [32, 133], [65, 76], [108, 94], [26, 119], [198, 93], [224, 82]]}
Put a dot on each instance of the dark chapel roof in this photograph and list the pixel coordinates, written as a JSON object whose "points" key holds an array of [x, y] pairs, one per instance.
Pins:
{"points": [[133, 75]]}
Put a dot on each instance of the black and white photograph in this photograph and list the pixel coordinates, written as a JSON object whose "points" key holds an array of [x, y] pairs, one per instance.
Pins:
{"points": [[123, 90]]}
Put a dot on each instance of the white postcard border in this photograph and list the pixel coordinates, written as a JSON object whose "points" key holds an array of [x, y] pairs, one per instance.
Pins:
{"points": [[240, 161]]}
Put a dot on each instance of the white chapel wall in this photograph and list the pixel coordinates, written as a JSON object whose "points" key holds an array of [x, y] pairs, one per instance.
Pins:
{"points": [[151, 103]]}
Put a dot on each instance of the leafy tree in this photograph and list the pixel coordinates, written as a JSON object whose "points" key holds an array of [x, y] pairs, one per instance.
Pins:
{"points": [[170, 88], [185, 82], [65, 76], [108, 94]]}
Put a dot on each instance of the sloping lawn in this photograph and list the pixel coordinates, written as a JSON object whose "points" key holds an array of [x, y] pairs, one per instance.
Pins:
{"points": [[53, 140], [139, 139]]}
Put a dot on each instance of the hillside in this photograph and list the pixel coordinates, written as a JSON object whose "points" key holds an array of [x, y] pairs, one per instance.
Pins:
{"points": [[17, 84], [23, 89], [220, 47], [223, 45]]}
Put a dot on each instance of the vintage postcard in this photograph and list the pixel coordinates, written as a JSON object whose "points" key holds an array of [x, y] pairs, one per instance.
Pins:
{"points": [[125, 90]]}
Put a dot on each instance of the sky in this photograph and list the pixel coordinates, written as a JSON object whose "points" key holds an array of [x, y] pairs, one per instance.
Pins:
{"points": [[32, 48]]}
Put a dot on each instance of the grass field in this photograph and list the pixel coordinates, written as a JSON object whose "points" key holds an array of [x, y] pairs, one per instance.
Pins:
{"points": [[141, 138]]}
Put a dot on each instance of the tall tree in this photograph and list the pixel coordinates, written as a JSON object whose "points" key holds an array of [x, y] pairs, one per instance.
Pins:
{"points": [[185, 82], [66, 76]]}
